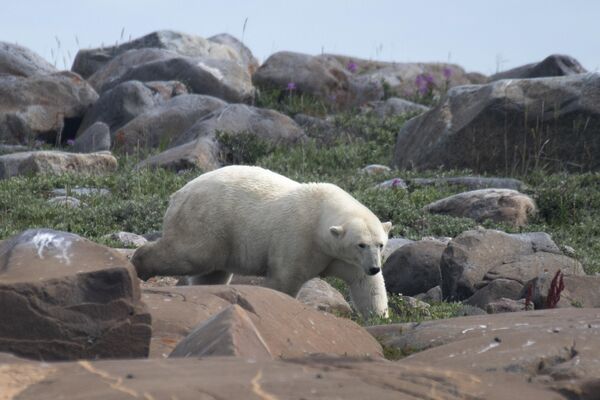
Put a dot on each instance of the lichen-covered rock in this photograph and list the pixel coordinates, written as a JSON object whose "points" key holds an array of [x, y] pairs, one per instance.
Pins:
{"points": [[56, 163], [553, 65], [20, 61]]}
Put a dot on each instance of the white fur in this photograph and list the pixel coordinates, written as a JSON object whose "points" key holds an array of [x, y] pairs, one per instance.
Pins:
{"points": [[251, 221]]}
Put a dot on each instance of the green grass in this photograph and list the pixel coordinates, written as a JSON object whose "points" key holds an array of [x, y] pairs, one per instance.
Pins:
{"points": [[569, 204]]}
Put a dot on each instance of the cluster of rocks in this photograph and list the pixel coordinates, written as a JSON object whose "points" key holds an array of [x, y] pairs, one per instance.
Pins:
{"points": [[70, 299], [489, 269]]}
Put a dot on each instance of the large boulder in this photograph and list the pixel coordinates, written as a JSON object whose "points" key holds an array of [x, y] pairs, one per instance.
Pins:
{"points": [[553, 65], [224, 79], [202, 153], [127, 100], [240, 119], [56, 163], [42, 106], [230, 378], [509, 126], [88, 61], [320, 76], [64, 298], [498, 205], [162, 125], [394, 106], [261, 313], [414, 268], [557, 348], [475, 258], [246, 56], [20, 61]]}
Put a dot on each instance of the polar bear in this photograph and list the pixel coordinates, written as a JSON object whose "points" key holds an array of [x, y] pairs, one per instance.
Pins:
{"points": [[251, 221]]}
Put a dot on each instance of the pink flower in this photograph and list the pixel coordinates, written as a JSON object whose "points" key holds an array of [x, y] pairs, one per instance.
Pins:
{"points": [[447, 71], [291, 86], [352, 66]]}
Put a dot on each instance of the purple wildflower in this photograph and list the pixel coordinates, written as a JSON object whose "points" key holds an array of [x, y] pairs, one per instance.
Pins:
{"points": [[70, 142], [291, 86], [425, 83], [352, 66], [447, 71]]}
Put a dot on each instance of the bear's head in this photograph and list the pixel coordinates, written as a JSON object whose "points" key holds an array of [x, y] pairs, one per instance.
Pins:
{"points": [[360, 241]]}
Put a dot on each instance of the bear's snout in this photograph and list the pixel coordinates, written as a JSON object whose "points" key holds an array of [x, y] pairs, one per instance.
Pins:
{"points": [[374, 270]]}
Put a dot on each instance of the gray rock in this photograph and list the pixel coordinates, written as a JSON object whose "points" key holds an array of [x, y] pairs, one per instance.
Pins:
{"points": [[163, 124], [579, 291], [508, 126], [392, 245], [475, 258], [239, 119], [414, 268], [322, 296], [224, 79], [395, 106], [322, 77], [554, 65], [13, 148], [433, 295], [56, 163], [395, 183], [376, 169], [40, 107], [470, 182], [127, 100], [503, 305], [467, 310], [128, 239], [246, 56], [65, 201], [494, 291], [94, 138], [66, 298], [88, 61], [20, 61], [498, 205], [81, 192], [201, 153]]}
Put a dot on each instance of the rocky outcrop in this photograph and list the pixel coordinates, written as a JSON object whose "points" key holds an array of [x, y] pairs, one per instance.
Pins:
{"points": [[20, 61], [88, 61], [508, 126], [553, 65], [475, 259], [125, 101], [260, 315], [66, 298], [95, 138], [42, 107]]}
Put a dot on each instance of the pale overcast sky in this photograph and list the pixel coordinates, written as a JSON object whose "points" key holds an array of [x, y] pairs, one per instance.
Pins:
{"points": [[480, 35]]}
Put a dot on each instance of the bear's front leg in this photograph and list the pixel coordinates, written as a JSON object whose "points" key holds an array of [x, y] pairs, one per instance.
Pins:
{"points": [[369, 296]]}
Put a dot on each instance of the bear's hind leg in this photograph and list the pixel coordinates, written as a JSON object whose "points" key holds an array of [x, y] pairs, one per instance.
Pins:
{"points": [[212, 278]]}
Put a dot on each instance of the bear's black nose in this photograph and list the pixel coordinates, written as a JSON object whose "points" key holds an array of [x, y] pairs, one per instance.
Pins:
{"points": [[374, 270]]}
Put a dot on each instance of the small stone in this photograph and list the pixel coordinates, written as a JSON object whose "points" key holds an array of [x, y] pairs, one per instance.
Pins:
{"points": [[128, 239], [65, 201], [376, 169], [396, 183]]}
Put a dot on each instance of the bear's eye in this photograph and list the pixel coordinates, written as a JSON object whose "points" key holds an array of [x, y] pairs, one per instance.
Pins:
{"points": [[380, 245], [362, 245]]}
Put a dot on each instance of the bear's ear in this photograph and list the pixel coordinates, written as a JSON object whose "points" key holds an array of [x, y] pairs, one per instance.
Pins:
{"points": [[387, 226], [337, 231]]}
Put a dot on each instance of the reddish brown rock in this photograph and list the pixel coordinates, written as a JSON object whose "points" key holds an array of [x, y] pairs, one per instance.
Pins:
{"points": [[64, 297], [559, 348], [233, 378], [287, 327]]}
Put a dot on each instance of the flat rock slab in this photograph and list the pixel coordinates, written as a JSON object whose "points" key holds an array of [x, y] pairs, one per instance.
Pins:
{"points": [[56, 163], [64, 297], [235, 378], [560, 347], [287, 327]]}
